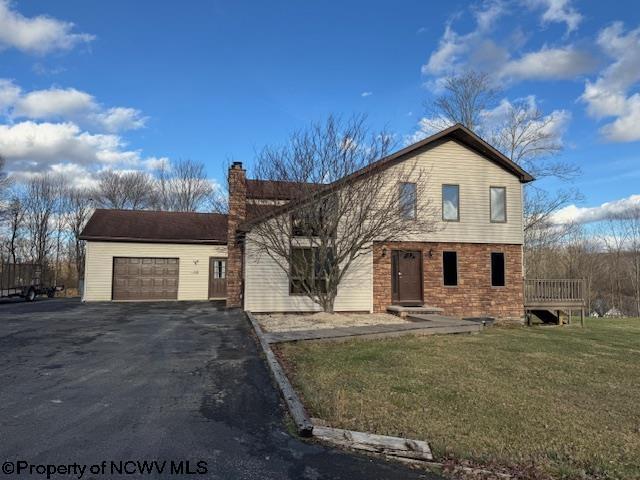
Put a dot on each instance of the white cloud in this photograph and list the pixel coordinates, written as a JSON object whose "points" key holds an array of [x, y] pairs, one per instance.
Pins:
{"points": [[456, 50], [574, 214], [53, 103], [548, 64], [66, 104], [626, 128], [477, 50], [9, 93], [119, 119], [366, 94], [559, 11], [66, 131], [487, 15], [29, 146], [39, 35], [155, 163], [608, 95], [449, 52], [78, 175], [42, 69]]}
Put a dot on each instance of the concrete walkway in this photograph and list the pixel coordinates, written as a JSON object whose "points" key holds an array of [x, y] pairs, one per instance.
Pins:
{"points": [[430, 324]]}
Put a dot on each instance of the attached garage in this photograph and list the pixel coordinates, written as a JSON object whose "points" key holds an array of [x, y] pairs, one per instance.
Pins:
{"points": [[151, 256]]}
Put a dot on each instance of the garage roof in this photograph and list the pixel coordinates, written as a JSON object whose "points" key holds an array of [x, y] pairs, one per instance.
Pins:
{"points": [[155, 226]]}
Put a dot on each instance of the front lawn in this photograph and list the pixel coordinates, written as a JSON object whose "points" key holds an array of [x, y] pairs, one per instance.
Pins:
{"points": [[565, 398]]}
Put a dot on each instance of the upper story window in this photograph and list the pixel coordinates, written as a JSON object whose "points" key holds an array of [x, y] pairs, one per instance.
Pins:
{"points": [[451, 203], [498, 200], [408, 200]]}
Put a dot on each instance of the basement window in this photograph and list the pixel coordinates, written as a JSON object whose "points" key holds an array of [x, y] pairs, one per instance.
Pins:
{"points": [[450, 268], [497, 269]]}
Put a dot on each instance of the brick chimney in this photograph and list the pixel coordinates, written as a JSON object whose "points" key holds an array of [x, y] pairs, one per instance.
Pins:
{"points": [[237, 215]]}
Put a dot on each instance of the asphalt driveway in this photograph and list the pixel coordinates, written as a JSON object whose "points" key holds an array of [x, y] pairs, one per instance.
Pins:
{"points": [[87, 383]]}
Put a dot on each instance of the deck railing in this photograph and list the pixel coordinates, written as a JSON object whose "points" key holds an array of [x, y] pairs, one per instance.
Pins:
{"points": [[554, 292]]}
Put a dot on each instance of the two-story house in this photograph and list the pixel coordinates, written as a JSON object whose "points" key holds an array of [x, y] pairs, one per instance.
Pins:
{"points": [[470, 267]]}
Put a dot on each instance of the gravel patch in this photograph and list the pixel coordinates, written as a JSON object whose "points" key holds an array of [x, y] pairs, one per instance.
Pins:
{"points": [[286, 322]]}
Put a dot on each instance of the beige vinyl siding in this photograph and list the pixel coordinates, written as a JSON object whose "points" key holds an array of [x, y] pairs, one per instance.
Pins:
{"points": [[452, 163], [267, 286], [193, 281]]}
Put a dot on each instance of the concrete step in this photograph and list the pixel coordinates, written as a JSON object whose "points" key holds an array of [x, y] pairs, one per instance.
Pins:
{"points": [[402, 311]]}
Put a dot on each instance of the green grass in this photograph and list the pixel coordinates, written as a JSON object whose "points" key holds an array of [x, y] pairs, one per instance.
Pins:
{"points": [[566, 399]]}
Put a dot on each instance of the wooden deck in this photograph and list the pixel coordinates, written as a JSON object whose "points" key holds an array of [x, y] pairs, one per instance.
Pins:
{"points": [[548, 298]]}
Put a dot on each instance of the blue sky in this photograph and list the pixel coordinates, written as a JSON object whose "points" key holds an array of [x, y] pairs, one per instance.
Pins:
{"points": [[91, 85]]}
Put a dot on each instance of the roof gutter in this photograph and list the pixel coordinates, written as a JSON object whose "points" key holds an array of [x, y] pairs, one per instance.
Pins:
{"points": [[97, 238]]}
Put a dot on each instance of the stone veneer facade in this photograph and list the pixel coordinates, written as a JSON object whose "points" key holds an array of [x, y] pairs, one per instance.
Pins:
{"points": [[474, 296], [237, 214]]}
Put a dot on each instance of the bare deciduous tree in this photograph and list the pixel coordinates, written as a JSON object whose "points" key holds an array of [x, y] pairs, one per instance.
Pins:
{"points": [[335, 217], [41, 197], [124, 190], [527, 136], [14, 220], [465, 97], [630, 224], [522, 132], [79, 208], [183, 186], [582, 259], [613, 237]]}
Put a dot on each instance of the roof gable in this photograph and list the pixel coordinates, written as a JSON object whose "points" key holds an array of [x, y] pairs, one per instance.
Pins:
{"points": [[457, 132]]}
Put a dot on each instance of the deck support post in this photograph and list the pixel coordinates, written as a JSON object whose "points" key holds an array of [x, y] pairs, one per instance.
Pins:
{"points": [[582, 317]]}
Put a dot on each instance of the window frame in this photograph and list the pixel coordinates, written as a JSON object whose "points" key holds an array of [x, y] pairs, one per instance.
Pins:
{"points": [[313, 278], [504, 270], [457, 269], [293, 279], [504, 189], [457, 219], [415, 201]]}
